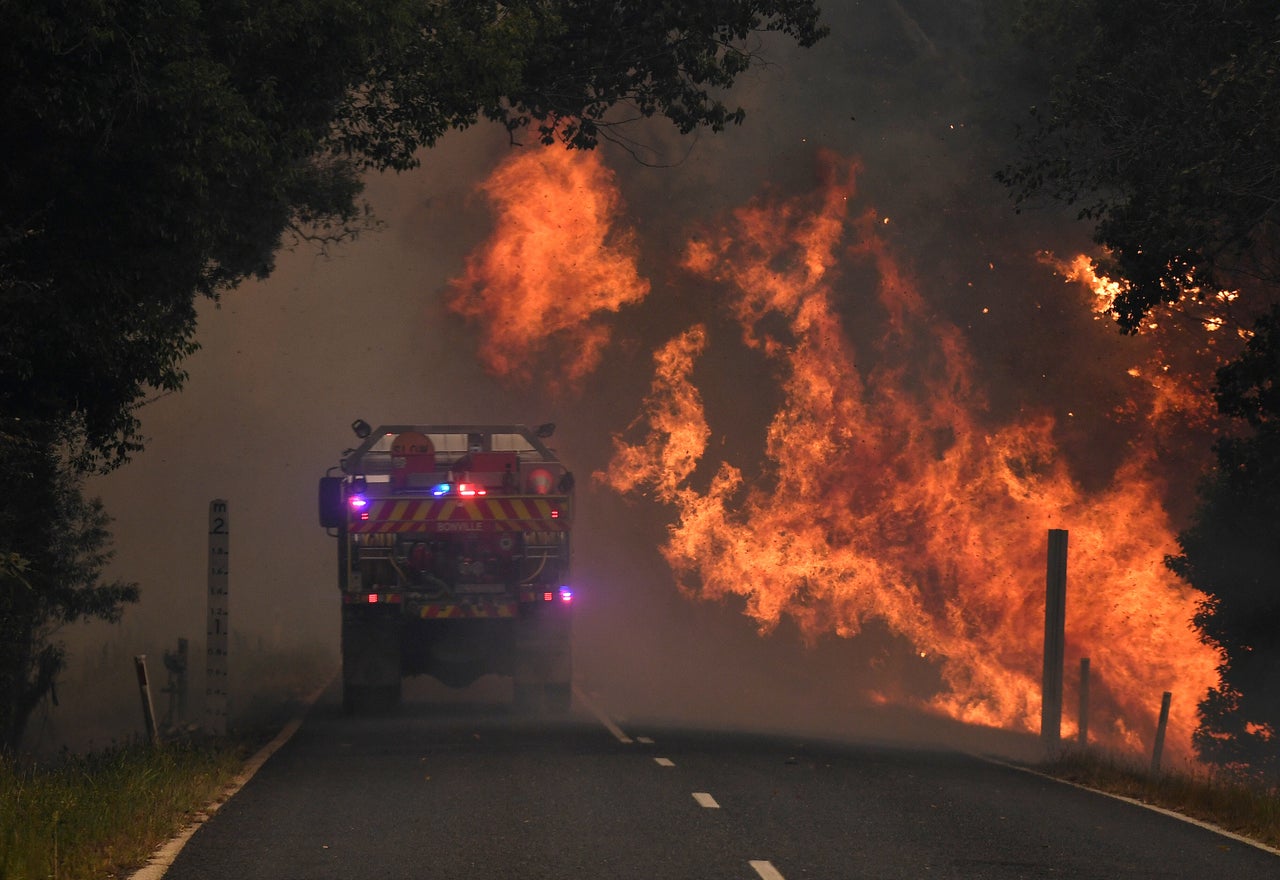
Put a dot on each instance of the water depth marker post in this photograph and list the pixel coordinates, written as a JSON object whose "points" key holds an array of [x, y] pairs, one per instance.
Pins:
{"points": [[1055, 625], [215, 676]]}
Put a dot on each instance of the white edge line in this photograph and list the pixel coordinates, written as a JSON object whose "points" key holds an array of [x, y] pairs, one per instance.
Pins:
{"points": [[765, 869], [163, 858], [706, 800], [1190, 820], [601, 717], [664, 762]]}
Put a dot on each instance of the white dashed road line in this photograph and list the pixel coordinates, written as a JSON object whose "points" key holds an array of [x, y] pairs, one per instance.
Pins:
{"points": [[705, 800], [766, 870]]}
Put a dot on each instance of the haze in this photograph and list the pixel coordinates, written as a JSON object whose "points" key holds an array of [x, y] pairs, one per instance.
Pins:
{"points": [[909, 88]]}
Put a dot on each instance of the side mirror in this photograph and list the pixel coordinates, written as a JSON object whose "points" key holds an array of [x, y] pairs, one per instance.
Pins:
{"points": [[332, 510]]}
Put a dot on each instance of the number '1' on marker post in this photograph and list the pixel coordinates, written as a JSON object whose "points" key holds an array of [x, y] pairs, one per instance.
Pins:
{"points": [[215, 693]]}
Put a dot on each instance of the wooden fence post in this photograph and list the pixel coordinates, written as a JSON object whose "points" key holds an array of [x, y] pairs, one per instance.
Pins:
{"points": [[144, 689], [1055, 616], [1160, 728]]}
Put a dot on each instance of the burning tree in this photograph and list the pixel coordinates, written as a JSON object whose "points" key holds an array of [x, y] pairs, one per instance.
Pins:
{"points": [[1163, 126]]}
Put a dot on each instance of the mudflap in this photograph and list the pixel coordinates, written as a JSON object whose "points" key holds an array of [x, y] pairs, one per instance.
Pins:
{"points": [[543, 670], [371, 639]]}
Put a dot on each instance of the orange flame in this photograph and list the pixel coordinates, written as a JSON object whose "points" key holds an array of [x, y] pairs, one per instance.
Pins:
{"points": [[1173, 390], [554, 266], [885, 497], [887, 494]]}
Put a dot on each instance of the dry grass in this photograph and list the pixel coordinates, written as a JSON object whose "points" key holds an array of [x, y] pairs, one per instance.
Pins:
{"points": [[92, 816], [1228, 801], [100, 815]]}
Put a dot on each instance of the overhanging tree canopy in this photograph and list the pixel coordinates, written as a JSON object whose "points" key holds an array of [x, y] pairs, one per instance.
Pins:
{"points": [[158, 150], [1162, 126]]}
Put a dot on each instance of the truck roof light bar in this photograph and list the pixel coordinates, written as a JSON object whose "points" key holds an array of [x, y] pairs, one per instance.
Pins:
{"points": [[464, 490]]}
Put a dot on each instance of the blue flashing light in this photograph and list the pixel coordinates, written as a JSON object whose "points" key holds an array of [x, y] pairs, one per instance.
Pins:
{"points": [[465, 490], [566, 595], [358, 502]]}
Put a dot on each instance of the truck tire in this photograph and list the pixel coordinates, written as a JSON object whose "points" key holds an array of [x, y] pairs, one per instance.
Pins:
{"points": [[371, 663], [525, 698], [559, 698]]}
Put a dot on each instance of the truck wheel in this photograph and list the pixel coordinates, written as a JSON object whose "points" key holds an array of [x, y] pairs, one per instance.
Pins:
{"points": [[370, 659], [354, 699], [559, 698], [525, 698]]}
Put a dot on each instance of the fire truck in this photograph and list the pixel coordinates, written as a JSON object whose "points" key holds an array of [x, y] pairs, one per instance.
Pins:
{"points": [[453, 561]]}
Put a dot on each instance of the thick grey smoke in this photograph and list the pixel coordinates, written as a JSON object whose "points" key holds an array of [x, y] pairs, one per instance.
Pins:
{"points": [[911, 88]]}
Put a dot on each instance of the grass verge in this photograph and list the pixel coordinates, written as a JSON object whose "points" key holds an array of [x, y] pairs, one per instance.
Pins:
{"points": [[101, 815], [1245, 808]]}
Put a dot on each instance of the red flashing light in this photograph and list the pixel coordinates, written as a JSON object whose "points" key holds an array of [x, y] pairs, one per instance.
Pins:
{"points": [[470, 490], [555, 513], [548, 596], [373, 598]]}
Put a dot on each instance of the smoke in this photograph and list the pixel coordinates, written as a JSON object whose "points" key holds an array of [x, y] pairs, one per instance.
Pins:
{"points": [[914, 90]]}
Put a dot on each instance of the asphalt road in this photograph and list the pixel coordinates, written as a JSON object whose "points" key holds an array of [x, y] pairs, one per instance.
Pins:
{"points": [[466, 789]]}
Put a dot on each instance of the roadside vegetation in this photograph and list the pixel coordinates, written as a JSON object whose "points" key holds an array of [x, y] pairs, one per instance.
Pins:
{"points": [[1234, 803], [102, 814], [1158, 123]]}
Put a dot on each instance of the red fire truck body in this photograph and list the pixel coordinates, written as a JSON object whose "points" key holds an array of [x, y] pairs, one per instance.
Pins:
{"points": [[453, 560]]}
